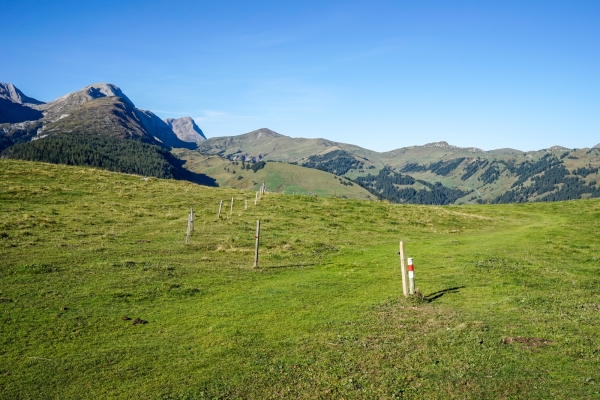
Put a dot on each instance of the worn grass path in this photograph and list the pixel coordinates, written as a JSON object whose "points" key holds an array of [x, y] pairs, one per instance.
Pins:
{"points": [[514, 290]]}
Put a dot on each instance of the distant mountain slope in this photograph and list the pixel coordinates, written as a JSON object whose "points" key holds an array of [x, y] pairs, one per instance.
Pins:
{"points": [[435, 173], [278, 176]]}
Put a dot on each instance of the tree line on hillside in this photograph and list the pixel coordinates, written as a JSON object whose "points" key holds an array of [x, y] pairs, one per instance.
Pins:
{"points": [[336, 162], [109, 153], [554, 184], [385, 185]]}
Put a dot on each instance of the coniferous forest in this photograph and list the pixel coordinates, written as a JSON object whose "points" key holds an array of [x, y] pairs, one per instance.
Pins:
{"points": [[105, 152]]}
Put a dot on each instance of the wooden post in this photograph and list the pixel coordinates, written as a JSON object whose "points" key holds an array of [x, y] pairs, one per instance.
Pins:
{"points": [[220, 206], [231, 209], [257, 237], [187, 236], [245, 204], [411, 277], [192, 218], [403, 270], [256, 198]]}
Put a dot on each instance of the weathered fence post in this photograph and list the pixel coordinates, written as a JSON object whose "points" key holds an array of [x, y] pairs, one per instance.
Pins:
{"points": [[187, 236], [245, 204], [220, 206], [192, 218], [256, 198], [403, 270], [231, 209], [257, 237], [411, 277]]}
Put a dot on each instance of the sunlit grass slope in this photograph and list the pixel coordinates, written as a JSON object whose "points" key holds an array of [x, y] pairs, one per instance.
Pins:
{"points": [[278, 177], [514, 294]]}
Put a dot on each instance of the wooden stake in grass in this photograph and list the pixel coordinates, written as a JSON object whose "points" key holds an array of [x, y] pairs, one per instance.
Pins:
{"points": [[257, 237], [403, 270], [220, 206], [411, 277], [192, 218], [231, 208], [187, 236], [245, 204], [256, 198]]}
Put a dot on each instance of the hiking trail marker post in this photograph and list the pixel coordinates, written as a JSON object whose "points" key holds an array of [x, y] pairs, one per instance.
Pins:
{"points": [[256, 237], [403, 270], [411, 277]]}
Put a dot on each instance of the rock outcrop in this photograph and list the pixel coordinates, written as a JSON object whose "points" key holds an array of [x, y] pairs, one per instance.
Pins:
{"points": [[186, 129]]}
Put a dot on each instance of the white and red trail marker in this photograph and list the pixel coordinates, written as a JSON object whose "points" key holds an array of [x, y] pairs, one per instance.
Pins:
{"points": [[411, 277]]}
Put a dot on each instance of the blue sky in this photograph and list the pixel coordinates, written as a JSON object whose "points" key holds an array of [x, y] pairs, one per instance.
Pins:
{"points": [[382, 75]]}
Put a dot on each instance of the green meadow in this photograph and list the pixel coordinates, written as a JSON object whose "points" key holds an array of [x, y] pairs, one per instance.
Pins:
{"points": [[508, 304]]}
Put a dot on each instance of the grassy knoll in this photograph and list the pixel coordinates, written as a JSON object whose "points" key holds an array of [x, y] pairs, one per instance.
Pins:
{"points": [[278, 177], [514, 294]]}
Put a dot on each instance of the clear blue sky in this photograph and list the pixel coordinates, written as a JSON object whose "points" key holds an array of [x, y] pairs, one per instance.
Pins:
{"points": [[378, 74]]}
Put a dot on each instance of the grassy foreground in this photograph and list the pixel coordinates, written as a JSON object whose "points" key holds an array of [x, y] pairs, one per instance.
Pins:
{"points": [[512, 306]]}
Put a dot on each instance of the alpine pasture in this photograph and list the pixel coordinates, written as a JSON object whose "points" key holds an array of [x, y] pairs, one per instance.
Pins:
{"points": [[508, 304]]}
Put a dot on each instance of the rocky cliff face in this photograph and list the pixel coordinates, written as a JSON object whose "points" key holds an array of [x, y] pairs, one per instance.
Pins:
{"points": [[161, 130], [186, 129], [10, 92]]}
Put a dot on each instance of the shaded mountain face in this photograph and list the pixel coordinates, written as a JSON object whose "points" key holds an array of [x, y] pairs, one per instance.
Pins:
{"points": [[186, 129], [15, 107], [159, 129], [12, 112]]}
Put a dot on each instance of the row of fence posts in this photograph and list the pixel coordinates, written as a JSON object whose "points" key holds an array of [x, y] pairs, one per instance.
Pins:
{"points": [[408, 274], [408, 285], [259, 193]]}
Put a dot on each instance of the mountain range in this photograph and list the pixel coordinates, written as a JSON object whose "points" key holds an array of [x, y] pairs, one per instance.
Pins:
{"points": [[100, 126], [97, 108], [97, 126]]}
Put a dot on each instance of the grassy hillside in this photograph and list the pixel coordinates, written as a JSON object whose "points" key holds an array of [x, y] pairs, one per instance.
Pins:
{"points": [[276, 147], [278, 177], [512, 304], [482, 176]]}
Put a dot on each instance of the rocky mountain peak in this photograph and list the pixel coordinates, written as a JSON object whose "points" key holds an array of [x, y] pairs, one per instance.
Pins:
{"points": [[69, 103], [442, 144], [92, 92], [10, 92], [264, 132], [186, 129], [445, 145], [557, 148]]}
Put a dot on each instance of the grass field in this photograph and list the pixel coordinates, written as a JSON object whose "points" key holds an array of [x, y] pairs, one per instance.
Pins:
{"points": [[511, 306]]}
